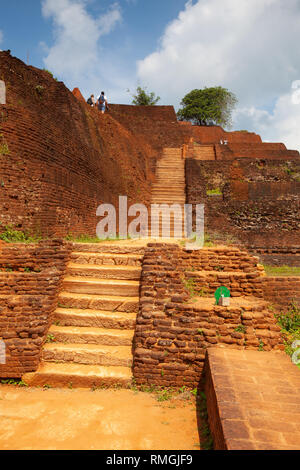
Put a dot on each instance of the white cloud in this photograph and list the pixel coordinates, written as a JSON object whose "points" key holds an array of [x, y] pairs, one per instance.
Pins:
{"points": [[76, 52], [249, 47], [281, 125]]}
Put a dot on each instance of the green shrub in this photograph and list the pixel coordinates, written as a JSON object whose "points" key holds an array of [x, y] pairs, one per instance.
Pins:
{"points": [[214, 192], [290, 326], [290, 321], [10, 235]]}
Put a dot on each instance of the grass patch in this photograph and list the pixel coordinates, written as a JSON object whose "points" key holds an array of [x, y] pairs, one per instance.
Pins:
{"points": [[163, 394], [290, 326], [282, 270], [217, 238], [51, 74], [90, 239], [15, 383], [214, 192], [10, 235], [206, 437], [190, 286], [4, 150]]}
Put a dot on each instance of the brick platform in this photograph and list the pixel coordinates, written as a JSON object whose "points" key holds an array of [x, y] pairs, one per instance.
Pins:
{"points": [[253, 400]]}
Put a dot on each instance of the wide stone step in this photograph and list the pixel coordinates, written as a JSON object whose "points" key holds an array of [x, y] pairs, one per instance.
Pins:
{"points": [[98, 302], [88, 354], [162, 179], [84, 285], [167, 201], [113, 248], [106, 259], [169, 180], [95, 318], [168, 197], [168, 177], [104, 272], [88, 335], [79, 375], [177, 165], [175, 190]]}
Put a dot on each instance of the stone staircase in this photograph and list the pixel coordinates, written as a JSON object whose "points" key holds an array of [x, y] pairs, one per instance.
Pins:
{"points": [[90, 341], [169, 186], [204, 152]]}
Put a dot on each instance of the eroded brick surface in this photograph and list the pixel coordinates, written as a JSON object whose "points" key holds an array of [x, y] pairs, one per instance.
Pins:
{"points": [[30, 280], [253, 400]]}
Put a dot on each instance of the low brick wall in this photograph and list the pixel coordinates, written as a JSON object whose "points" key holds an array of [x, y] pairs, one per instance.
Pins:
{"points": [[30, 279], [277, 255], [172, 336], [239, 283], [281, 290]]}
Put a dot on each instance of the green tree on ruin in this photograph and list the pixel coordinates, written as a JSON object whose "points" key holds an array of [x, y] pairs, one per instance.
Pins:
{"points": [[210, 106], [143, 98]]}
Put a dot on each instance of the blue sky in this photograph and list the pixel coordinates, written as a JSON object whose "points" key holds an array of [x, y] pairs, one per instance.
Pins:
{"points": [[26, 31], [172, 47]]}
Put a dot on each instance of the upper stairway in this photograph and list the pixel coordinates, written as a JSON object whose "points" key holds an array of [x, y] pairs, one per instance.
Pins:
{"points": [[169, 187], [203, 152]]}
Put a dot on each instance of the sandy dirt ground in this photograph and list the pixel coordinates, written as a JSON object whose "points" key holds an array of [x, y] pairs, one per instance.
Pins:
{"points": [[58, 419]]}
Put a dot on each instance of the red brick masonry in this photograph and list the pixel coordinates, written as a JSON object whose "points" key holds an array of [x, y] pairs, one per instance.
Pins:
{"points": [[30, 279], [253, 400], [172, 336]]}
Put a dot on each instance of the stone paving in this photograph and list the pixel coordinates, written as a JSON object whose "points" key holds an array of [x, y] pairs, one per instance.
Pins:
{"points": [[62, 419], [253, 400]]}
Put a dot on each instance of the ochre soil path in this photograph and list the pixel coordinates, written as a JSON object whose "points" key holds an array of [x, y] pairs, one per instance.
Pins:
{"points": [[79, 419]]}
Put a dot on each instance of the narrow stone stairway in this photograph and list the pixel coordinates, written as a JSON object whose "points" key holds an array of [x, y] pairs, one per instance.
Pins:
{"points": [[204, 152], [169, 187], [90, 341]]}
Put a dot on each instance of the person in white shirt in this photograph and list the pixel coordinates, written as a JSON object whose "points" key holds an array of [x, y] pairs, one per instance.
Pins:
{"points": [[102, 102]]}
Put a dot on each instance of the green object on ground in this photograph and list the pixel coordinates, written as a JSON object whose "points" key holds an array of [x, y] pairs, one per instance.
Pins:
{"points": [[221, 291]]}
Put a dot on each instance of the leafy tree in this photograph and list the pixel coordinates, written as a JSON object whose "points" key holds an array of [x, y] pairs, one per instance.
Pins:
{"points": [[142, 98], [208, 106]]}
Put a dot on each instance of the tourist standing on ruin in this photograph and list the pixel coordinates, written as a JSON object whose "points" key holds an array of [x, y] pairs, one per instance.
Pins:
{"points": [[91, 100], [102, 102]]}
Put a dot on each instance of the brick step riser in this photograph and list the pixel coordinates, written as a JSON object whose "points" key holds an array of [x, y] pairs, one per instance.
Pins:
{"points": [[94, 321], [63, 381], [89, 358], [99, 289], [169, 188], [167, 197], [90, 273], [171, 164], [100, 304], [101, 248], [89, 338], [98, 261], [169, 181]]}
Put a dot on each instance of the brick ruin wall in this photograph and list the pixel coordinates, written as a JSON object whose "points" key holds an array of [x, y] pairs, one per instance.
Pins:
{"points": [[60, 159], [172, 336], [30, 280], [156, 125], [258, 202], [281, 291], [53, 177]]}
